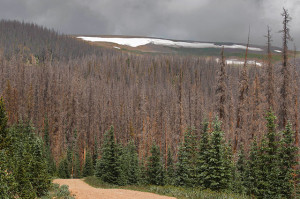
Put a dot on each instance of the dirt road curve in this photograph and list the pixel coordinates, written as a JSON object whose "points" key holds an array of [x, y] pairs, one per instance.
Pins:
{"points": [[81, 190]]}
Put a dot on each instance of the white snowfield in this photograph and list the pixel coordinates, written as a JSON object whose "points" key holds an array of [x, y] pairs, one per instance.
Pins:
{"points": [[278, 51], [239, 62], [135, 42]]}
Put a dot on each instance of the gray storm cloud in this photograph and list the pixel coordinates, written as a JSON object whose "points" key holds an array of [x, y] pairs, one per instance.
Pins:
{"points": [[202, 20]]}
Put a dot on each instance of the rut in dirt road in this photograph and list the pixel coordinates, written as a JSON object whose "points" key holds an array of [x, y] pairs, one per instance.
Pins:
{"points": [[82, 190]]}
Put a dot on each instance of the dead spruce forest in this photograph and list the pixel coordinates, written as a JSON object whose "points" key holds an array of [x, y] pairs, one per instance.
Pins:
{"points": [[83, 89]]}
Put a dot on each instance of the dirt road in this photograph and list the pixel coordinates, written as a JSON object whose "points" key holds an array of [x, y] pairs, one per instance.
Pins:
{"points": [[82, 190]]}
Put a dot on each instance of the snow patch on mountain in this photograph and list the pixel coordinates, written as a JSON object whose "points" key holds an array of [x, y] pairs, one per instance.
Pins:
{"points": [[135, 42], [239, 62]]}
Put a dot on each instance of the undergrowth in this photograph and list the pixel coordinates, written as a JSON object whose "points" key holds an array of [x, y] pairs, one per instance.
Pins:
{"points": [[58, 192]]}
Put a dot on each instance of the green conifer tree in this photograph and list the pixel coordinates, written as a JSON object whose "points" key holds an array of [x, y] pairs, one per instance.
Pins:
{"points": [[108, 168], [7, 180], [271, 158], [25, 188], [241, 171], [88, 169], [288, 160], [40, 178], [154, 167], [218, 171], [170, 171], [253, 170], [130, 164], [95, 153], [143, 173], [268, 181], [187, 158], [229, 165], [203, 158], [63, 169], [77, 165]]}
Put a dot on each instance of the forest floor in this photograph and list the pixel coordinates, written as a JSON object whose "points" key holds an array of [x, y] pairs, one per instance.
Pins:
{"points": [[81, 190]]}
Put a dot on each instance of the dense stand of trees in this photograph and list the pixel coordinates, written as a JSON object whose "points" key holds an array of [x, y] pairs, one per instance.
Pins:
{"points": [[73, 92], [146, 98], [23, 162], [206, 160]]}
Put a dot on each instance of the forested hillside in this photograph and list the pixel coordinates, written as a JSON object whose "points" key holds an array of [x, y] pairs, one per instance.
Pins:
{"points": [[73, 93], [37, 43]]}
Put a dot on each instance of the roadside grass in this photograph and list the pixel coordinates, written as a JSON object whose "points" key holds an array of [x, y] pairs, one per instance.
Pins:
{"points": [[58, 192], [177, 192]]}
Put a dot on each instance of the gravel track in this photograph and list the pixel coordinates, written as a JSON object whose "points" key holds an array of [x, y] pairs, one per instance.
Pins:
{"points": [[82, 190]]}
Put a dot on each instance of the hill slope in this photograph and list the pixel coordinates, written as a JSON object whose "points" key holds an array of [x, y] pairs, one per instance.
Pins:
{"points": [[33, 40], [179, 47]]}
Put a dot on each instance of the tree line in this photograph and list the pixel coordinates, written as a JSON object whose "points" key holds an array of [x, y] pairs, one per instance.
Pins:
{"points": [[205, 160], [23, 163]]}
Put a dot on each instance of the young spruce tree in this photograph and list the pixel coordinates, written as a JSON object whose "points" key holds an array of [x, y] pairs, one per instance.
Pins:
{"points": [[187, 157], [218, 174], [203, 158], [154, 167], [287, 158], [108, 168], [88, 169], [170, 172]]}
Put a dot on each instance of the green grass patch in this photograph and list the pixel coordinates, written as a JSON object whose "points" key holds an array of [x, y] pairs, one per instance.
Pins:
{"points": [[177, 192]]}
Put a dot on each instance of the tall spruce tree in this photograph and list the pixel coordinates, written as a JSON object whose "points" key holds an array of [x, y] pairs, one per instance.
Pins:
{"points": [[40, 177], [154, 167], [130, 170], [170, 171], [63, 169], [218, 171], [133, 170], [268, 182], [241, 171], [272, 156], [77, 165], [108, 168], [30, 164], [253, 170], [95, 153], [7, 180], [187, 158], [88, 169], [203, 158], [287, 158]]}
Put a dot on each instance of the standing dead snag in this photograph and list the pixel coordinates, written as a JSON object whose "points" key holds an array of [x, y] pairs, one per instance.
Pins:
{"points": [[180, 104], [295, 100], [270, 74], [242, 102], [284, 112], [221, 92]]}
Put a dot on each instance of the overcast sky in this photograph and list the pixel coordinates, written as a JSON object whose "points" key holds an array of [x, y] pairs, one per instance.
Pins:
{"points": [[201, 20]]}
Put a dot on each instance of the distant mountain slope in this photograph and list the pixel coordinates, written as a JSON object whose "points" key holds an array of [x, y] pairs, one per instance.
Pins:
{"points": [[31, 39], [181, 47]]}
